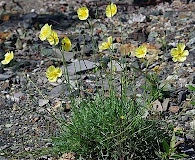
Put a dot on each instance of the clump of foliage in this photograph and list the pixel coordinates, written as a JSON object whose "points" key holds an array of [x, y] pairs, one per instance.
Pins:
{"points": [[111, 128], [114, 126]]}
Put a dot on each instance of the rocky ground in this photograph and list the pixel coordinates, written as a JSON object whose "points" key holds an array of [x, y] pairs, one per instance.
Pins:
{"points": [[25, 94]]}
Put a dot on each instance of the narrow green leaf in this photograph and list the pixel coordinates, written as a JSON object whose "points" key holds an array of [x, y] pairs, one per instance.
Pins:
{"points": [[179, 156], [190, 87], [165, 146], [193, 103], [173, 141]]}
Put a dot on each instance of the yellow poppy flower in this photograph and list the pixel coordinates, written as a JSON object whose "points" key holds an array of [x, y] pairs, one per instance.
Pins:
{"points": [[8, 57], [106, 45], [179, 54], [141, 51], [53, 38], [83, 13], [45, 32], [66, 44], [53, 73], [111, 10]]}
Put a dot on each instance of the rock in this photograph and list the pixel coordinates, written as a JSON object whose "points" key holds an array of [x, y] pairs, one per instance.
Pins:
{"points": [[15, 97], [58, 90], [26, 21], [136, 18], [48, 52], [9, 125], [3, 158], [2, 53], [29, 16], [182, 96], [18, 44], [152, 36], [42, 80], [185, 118], [1, 70], [83, 39], [174, 109], [43, 102], [2, 3], [3, 77], [58, 21], [87, 50], [191, 112], [192, 124], [81, 66], [116, 66], [191, 42], [69, 56]]}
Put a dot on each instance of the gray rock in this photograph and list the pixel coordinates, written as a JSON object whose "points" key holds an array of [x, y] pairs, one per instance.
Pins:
{"points": [[116, 66], [185, 118], [2, 158], [67, 55], [192, 124], [87, 50], [152, 36], [81, 66], [191, 42], [29, 16], [3, 77], [182, 96], [47, 52], [42, 80], [43, 102], [18, 95], [191, 112], [136, 18], [58, 90], [9, 125], [1, 70]]}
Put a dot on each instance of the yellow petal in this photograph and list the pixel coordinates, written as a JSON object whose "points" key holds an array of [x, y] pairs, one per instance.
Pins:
{"points": [[8, 57], [185, 53], [179, 54], [141, 51], [52, 79], [53, 38], [83, 13], [104, 46], [59, 72], [53, 73], [66, 44], [45, 32], [111, 10], [4, 62], [181, 47], [181, 59], [174, 59], [50, 68], [174, 52]]}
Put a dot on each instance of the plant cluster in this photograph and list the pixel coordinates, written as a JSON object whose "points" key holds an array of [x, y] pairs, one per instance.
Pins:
{"points": [[113, 127]]}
